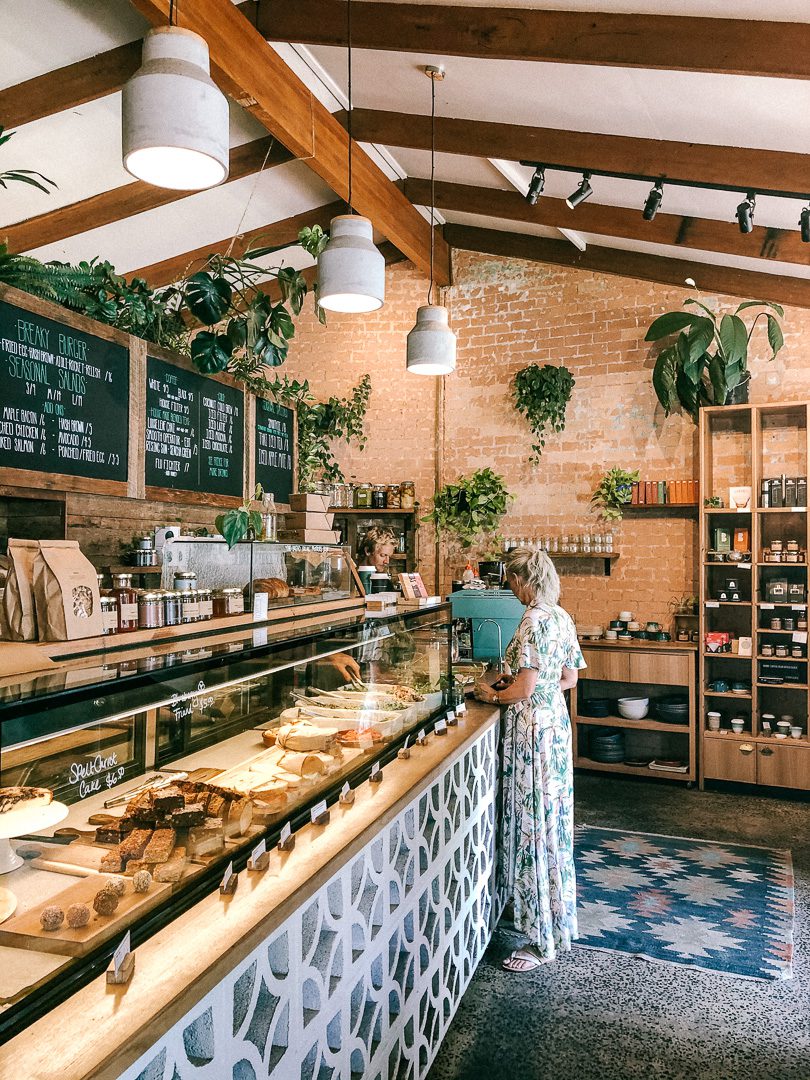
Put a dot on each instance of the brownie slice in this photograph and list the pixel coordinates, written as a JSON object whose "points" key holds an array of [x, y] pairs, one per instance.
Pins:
{"points": [[160, 846], [168, 799], [191, 814]]}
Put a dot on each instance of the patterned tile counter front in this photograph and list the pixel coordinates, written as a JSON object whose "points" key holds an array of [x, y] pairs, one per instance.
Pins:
{"points": [[366, 963]]}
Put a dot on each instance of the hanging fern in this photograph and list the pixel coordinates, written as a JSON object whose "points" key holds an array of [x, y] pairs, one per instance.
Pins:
{"points": [[541, 394]]}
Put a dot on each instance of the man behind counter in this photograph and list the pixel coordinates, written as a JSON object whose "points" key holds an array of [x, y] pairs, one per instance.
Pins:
{"points": [[376, 548]]}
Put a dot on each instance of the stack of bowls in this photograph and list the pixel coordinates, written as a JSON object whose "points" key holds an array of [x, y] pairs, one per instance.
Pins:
{"points": [[673, 710], [607, 745], [594, 706], [633, 708]]}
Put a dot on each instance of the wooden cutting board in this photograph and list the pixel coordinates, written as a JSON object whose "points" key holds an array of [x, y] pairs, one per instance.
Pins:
{"points": [[25, 932], [78, 859]]}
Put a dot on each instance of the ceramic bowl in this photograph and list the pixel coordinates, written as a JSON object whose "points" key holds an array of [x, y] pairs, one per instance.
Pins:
{"points": [[779, 735], [633, 625], [611, 635], [633, 708], [653, 627], [626, 616]]}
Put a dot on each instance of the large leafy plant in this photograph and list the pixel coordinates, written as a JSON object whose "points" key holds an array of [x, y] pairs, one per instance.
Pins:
{"points": [[710, 355], [23, 176], [541, 394], [236, 525], [471, 508], [613, 493]]}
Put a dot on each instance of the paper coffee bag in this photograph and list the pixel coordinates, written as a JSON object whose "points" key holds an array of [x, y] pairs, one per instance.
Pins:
{"points": [[66, 593], [17, 611]]}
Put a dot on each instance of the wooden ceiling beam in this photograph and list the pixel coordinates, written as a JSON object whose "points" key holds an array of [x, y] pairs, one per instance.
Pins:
{"points": [[701, 234], [248, 69], [727, 46], [128, 200], [710, 278], [273, 233], [757, 170]]}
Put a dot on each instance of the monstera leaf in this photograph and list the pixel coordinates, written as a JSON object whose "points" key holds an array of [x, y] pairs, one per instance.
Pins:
{"points": [[208, 297], [211, 353]]}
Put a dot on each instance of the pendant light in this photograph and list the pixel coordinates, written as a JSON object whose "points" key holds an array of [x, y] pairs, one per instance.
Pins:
{"points": [[431, 348], [351, 271], [174, 117]]}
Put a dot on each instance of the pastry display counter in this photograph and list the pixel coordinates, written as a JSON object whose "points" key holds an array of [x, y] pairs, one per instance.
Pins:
{"points": [[176, 763]]}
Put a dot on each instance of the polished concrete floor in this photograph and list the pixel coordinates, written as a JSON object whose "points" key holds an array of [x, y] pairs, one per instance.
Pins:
{"points": [[604, 1016]]}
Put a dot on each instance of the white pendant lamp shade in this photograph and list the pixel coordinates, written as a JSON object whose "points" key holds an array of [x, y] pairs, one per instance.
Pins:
{"points": [[174, 118], [431, 343], [351, 271]]}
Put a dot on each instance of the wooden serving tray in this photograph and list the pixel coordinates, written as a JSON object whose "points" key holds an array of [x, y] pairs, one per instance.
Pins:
{"points": [[78, 859], [25, 932]]}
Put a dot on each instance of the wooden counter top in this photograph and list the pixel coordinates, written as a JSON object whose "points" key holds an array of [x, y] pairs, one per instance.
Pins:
{"points": [[102, 1030], [635, 644]]}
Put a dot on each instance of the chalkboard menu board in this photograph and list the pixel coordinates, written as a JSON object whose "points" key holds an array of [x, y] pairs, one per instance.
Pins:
{"points": [[274, 448], [195, 432], [64, 398]]}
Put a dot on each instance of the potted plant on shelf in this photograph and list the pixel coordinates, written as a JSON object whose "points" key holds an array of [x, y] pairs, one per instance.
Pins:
{"points": [[245, 523], [541, 394], [471, 508], [708, 363], [613, 493]]}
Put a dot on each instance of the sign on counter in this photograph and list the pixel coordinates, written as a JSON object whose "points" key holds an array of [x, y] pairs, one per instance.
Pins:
{"points": [[273, 453], [195, 432], [64, 398]]}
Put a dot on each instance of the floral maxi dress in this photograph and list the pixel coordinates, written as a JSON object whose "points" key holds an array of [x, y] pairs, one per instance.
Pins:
{"points": [[537, 826]]}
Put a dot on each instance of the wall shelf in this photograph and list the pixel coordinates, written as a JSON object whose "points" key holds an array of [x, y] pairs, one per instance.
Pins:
{"points": [[607, 557]]}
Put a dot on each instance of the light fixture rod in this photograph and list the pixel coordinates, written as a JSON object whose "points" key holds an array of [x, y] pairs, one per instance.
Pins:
{"points": [[671, 181], [435, 74]]}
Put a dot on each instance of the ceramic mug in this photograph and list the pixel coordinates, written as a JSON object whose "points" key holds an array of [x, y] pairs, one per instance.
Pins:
{"points": [[653, 627], [626, 616], [795, 732], [713, 720], [720, 686], [783, 727], [611, 635], [737, 724]]}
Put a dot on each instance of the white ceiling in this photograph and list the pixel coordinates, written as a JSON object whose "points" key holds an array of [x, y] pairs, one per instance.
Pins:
{"points": [[80, 149]]}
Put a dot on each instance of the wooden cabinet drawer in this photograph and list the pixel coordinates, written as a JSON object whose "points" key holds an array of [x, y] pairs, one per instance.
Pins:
{"points": [[606, 664], [663, 668], [784, 766], [730, 759]]}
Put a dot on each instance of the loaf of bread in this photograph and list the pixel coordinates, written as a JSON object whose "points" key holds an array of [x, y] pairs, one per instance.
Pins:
{"points": [[273, 586]]}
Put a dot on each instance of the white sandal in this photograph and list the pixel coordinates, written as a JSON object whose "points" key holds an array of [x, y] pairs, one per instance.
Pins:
{"points": [[523, 960]]}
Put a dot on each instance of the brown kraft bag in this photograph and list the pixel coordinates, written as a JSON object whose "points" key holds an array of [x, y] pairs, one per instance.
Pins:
{"points": [[18, 621], [66, 593]]}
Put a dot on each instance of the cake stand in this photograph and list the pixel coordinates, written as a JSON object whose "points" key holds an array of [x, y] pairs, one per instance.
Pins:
{"points": [[22, 821]]}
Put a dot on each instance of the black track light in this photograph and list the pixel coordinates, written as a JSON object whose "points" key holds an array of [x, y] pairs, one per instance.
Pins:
{"points": [[653, 203], [538, 182], [581, 194], [804, 225], [745, 213]]}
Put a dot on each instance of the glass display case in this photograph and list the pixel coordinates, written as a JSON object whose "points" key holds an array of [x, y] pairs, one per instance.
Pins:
{"points": [[130, 782]]}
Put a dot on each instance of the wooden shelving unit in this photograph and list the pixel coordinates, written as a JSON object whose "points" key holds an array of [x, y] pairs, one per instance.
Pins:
{"points": [[640, 669], [607, 557], [349, 520], [739, 446]]}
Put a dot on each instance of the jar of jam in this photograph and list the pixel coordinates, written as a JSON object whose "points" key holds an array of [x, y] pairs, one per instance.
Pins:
{"points": [[150, 609], [127, 598], [407, 494], [766, 649], [780, 650], [189, 606], [228, 602], [109, 613], [185, 580], [362, 497], [378, 497], [206, 604], [171, 608], [796, 651], [792, 545], [776, 623], [788, 622], [393, 497], [776, 545]]}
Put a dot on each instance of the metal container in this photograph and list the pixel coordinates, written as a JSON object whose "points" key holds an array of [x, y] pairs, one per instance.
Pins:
{"points": [[150, 610], [206, 604], [190, 606], [172, 613], [185, 580]]}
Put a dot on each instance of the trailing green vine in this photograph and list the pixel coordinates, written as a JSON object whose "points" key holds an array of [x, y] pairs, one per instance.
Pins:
{"points": [[541, 394], [472, 508], [613, 493]]}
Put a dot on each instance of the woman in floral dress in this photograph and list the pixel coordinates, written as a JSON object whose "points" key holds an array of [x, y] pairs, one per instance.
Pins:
{"points": [[537, 827]]}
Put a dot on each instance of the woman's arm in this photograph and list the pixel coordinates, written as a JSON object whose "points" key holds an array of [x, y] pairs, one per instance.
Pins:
{"points": [[521, 688], [569, 678]]}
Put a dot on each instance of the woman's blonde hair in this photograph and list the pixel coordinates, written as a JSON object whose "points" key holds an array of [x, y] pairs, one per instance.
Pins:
{"points": [[375, 537], [536, 571]]}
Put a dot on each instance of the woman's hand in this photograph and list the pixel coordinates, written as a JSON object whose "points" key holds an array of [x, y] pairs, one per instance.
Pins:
{"points": [[347, 666]]}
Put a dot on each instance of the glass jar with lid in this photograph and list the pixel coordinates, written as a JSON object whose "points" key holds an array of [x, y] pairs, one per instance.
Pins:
{"points": [[393, 497], [185, 580], [204, 599], [189, 606], [109, 612], [127, 598], [230, 601], [407, 495], [151, 612], [378, 497], [172, 615], [362, 496]]}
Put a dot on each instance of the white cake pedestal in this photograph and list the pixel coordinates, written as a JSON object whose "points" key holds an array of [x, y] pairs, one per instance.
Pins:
{"points": [[18, 822]]}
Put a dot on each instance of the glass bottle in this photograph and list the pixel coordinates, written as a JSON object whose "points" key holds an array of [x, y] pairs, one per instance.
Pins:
{"points": [[608, 541], [127, 602], [270, 517]]}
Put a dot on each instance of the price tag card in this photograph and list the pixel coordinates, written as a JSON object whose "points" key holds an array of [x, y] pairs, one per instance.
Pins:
{"points": [[229, 881], [796, 607], [451, 718], [461, 708], [122, 952], [319, 815], [440, 727], [286, 842], [346, 795], [744, 565], [797, 509], [420, 736], [259, 857], [800, 637], [376, 774], [404, 751], [767, 607], [260, 636], [122, 964], [713, 603], [260, 606]]}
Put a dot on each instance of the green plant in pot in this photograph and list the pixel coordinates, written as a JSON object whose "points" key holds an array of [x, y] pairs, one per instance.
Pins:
{"points": [[471, 508], [613, 493], [245, 523], [541, 394], [708, 363]]}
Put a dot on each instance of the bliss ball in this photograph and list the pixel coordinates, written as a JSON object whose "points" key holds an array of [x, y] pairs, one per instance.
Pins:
{"points": [[142, 881], [105, 902], [51, 917], [116, 885], [78, 915]]}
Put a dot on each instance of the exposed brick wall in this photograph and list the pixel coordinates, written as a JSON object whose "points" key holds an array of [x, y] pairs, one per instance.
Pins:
{"points": [[510, 313]]}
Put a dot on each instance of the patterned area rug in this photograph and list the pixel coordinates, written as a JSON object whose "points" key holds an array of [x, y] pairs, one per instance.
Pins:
{"points": [[720, 907]]}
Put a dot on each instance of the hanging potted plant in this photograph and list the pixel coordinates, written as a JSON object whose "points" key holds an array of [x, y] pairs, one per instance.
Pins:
{"points": [[708, 363], [541, 394], [613, 493], [471, 508]]}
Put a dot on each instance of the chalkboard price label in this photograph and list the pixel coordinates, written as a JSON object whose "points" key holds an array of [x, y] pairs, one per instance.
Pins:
{"points": [[64, 398], [195, 431], [273, 453]]}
